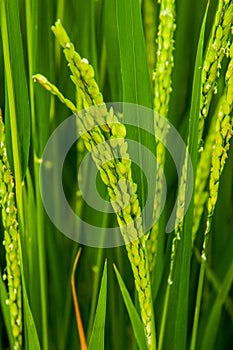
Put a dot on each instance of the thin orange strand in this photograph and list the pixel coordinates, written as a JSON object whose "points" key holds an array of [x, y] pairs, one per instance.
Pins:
{"points": [[81, 333]]}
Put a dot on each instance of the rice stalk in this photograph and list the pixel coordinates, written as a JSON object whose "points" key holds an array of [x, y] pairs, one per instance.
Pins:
{"points": [[149, 10], [218, 47], [220, 149], [11, 237], [162, 79], [12, 108], [175, 240], [115, 173], [182, 228], [202, 176], [221, 146], [164, 60]]}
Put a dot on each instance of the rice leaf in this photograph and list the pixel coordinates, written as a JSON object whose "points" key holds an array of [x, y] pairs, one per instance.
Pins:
{"points": [[87, 44], [30, 332], [112, 51], [132, 312], [183, 296], [5, 311], [97, 335], [29, 246], [16, 85], [134, 68], [136, 84], [211, 328]]}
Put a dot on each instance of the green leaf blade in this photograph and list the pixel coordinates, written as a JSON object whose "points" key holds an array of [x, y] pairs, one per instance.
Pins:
{"points": [[132, 312], [136, 83], [97, 335], [19, 81], [181, 324], [5, 311]]}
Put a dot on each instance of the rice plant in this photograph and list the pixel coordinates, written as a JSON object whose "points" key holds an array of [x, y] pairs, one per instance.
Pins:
{"points": [[127, 102]]}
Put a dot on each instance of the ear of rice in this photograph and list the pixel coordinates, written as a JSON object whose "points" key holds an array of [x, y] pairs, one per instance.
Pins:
{"points": [[11, 237]]}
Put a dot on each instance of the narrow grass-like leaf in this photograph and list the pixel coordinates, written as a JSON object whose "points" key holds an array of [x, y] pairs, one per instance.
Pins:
{"points": [[86, 19], [5, 311], [133, 314], [112, 51], [97, 336], [42, 260], [183, 296], [96, 282], [134, 68], [31, 337], [41, 58], [30, 332], [136, 84], [29, 246], [31, 12], [10, 104], [211, 328], [19, 90]]}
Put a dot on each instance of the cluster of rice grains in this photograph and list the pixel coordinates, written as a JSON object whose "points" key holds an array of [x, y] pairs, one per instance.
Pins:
{"points": [[214, 150], [10, 226], [107, 138], [116, 174], [223, 134], [162, 86], [217, 48]]}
